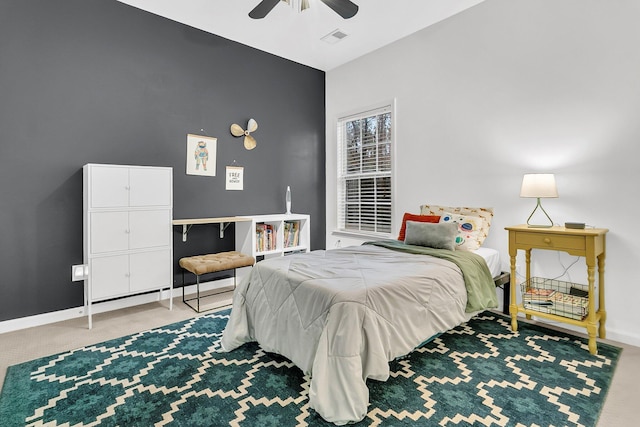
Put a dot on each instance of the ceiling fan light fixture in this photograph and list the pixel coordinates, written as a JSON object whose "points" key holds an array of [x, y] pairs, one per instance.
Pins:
{"points": [[345, 8], [298, 5]]}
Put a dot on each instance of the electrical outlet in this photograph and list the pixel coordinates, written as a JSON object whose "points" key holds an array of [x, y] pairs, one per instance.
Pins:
{"points": [[79, 272]]}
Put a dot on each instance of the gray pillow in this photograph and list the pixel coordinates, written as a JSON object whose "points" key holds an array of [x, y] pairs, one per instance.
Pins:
{"points": [[439, 236]]}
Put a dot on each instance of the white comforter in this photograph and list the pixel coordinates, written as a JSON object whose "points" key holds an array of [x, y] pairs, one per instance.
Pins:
{"points": [[343, 314]]}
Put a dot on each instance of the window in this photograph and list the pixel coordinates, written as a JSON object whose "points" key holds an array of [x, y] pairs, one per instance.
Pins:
{"points": [[365, 171]]}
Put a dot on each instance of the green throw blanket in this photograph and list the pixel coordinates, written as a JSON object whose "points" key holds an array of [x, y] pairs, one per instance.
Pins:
{"points": [[481, 291]]}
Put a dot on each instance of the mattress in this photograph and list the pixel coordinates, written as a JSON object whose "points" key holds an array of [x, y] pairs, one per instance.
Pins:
{"points": [[492, 258]]}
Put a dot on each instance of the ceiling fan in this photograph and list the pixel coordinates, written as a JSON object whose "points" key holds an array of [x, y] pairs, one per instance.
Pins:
{"points": [[344, 8]]}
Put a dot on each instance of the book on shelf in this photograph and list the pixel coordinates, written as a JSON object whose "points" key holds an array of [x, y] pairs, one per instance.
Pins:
{"points": [[265, 237], [291, 233], [537, 307], [571, 303], [538, 303], [538, 294], [561, 304], [550, 309]]}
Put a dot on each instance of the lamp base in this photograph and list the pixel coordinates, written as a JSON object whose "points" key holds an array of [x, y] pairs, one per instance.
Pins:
{"points": [[538, 205]]}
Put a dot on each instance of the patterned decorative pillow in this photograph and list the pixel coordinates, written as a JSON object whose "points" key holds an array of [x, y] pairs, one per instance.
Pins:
{"points": [[467, 238], [485, 214], [418, 218]]}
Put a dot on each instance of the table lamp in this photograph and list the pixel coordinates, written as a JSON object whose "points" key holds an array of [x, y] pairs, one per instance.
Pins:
{"points": [[539, 185]]}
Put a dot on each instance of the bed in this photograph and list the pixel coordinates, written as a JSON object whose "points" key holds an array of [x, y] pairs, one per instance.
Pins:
{"points": [[341, 315]]}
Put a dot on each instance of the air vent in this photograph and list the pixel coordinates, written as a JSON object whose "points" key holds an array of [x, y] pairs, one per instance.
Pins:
{"points": [[334, 36]]}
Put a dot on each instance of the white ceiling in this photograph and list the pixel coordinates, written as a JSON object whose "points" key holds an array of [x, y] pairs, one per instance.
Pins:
{"points": [[297, 36]]}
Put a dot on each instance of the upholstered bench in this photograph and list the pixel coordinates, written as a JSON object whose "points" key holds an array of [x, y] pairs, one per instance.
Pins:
{"points": [[212, 263]]}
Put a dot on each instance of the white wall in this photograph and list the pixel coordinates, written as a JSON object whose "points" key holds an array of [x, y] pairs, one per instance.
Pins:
{"points": [[505, 88]]}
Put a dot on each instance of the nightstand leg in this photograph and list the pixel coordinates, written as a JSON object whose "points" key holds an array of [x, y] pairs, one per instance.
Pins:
{"points": [[513, 306], [593, 345], [527, 257], [601, 307], [591, 315]]}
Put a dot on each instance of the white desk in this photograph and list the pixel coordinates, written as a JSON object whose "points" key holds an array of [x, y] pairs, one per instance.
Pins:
{"points": [[223, 221]]}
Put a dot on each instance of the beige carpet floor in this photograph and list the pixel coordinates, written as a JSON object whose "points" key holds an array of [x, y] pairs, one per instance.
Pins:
{"points": [[28, 344]]}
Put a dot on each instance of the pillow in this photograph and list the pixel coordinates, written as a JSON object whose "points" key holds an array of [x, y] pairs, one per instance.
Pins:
{"points": [[467, 230], [418, 218], [485, 215], [438, 236]]}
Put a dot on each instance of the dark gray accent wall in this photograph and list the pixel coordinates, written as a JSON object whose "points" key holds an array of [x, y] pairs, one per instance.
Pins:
{"points": [[102, 82]]}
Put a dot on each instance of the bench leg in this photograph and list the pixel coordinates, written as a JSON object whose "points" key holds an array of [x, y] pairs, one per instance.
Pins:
{"points": [[196, 307], [198, 292], [183, 286]]}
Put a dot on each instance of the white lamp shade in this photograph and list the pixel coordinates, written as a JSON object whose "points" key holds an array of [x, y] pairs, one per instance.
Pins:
{"points": [[539, 185]]}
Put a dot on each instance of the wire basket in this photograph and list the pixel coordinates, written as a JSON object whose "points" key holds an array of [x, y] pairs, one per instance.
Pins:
{"points": [[557, 297]]}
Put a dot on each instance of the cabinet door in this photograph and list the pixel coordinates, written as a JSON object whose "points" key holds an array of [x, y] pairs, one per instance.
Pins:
{"points": [[150, 187], [149, 229], [109, 232], [109, 186], [109, 277], [150, 270]]}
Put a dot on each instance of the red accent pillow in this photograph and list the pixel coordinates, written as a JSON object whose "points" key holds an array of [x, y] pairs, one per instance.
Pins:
{"points": [[418, 218]]}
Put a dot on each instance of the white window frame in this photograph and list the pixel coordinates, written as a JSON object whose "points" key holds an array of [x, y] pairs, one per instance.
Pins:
{"points": [[383, 221]]}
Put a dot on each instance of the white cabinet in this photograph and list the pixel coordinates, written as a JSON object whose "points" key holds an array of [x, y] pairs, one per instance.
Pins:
{"points": [[127, 231]]}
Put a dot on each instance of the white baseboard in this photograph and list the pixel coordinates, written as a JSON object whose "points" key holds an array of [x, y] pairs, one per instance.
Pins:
{"points": [[102, 307], [633, 340], [40, 319], [613, 335]]}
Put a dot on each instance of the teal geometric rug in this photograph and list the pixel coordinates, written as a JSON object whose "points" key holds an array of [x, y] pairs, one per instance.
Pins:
{"points": [[480, 373]]}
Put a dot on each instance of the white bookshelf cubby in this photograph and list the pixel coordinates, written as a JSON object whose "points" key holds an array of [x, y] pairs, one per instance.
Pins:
{"points": [[246, 236]]}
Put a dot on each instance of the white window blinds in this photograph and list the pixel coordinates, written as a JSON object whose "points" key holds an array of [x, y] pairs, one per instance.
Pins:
{"points": [[365, 170]]}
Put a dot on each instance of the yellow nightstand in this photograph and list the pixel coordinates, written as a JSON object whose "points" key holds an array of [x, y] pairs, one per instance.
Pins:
{"points": [[588, 243]]}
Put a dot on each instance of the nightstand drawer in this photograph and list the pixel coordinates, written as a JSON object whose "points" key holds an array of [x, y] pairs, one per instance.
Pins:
{"points": [[551, 241]]}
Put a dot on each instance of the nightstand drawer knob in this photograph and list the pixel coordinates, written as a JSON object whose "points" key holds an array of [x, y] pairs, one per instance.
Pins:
{"points": [[547, 240]]}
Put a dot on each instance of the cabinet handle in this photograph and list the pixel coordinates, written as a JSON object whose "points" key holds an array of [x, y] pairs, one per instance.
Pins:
{"points": [[547, 240]]}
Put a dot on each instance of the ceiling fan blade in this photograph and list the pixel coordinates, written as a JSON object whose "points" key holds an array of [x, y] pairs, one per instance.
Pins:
{"points": [[236, 130], [344, 8], [263, 8], [250, 142], [252, 126]]}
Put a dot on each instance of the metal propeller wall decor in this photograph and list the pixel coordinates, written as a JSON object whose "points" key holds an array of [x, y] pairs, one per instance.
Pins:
{"points": [[249, 141], [344, 8]]}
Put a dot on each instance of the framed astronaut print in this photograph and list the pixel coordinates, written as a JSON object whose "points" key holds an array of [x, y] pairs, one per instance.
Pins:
{"points": [[201, 155]]}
